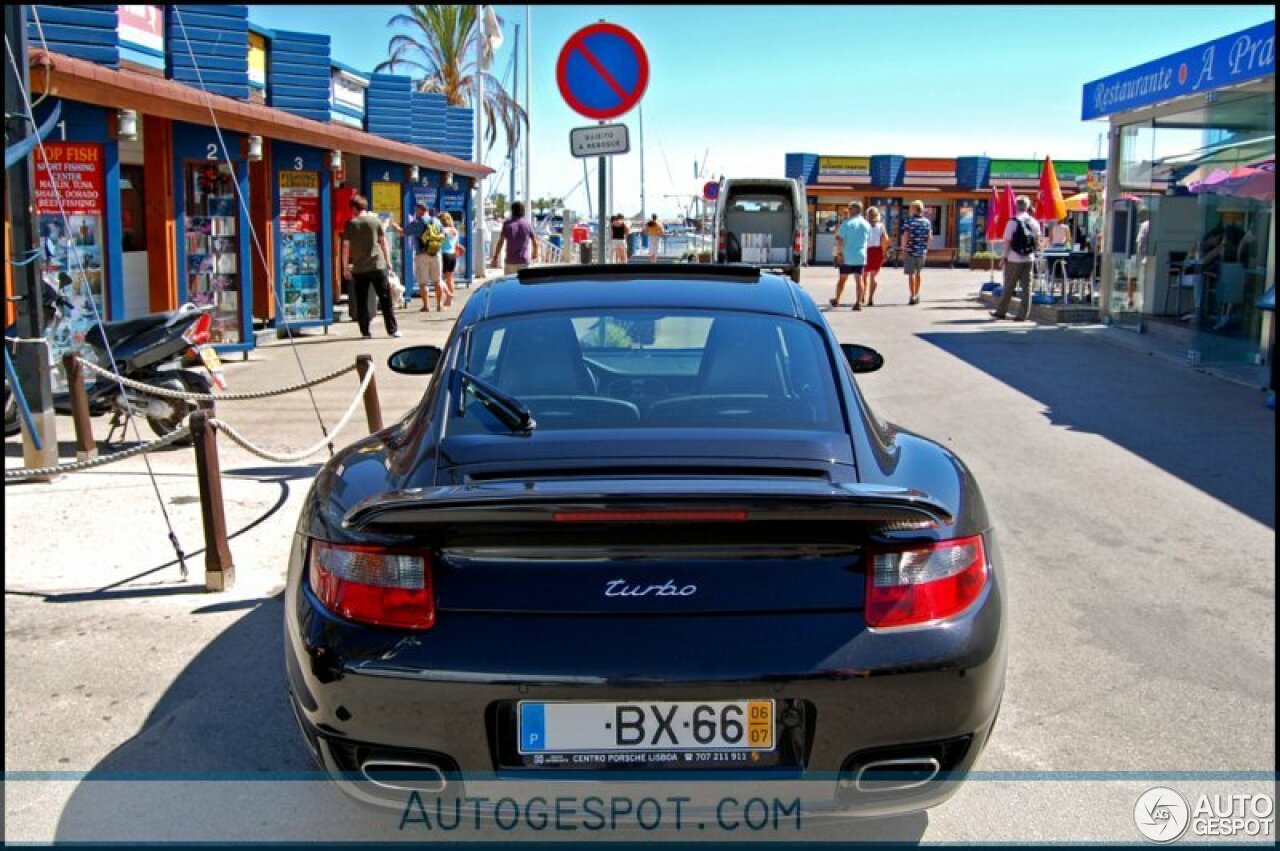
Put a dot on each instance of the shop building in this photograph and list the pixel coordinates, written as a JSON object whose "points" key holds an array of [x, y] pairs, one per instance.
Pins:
{"points": [[955, 192], [1189, 241], [201, 158]]}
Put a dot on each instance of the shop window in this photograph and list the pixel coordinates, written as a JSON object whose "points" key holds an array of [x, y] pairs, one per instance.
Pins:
{"points": [[937, 218], [213, 246], [133, 227], [69, 181], [385, 202]]}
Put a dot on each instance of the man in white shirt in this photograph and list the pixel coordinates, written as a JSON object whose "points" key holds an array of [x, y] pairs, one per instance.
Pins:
{"points": [[1021, 235]]}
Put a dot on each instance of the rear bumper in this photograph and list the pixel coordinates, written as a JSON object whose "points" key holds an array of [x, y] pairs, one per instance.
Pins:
{"points": [[443, 694]]}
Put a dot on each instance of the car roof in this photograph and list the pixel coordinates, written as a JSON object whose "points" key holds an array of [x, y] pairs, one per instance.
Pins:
{"points": [[694, 286]]}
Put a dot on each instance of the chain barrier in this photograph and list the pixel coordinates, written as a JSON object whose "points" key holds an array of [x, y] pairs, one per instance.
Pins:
{"points": [[288, 458], [152, 390], [185, 431], [34, 472]]}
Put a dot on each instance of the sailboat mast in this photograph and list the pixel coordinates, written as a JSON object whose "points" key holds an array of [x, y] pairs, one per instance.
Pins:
{"points": [[528, 95], [643, 209], [515, 95]]}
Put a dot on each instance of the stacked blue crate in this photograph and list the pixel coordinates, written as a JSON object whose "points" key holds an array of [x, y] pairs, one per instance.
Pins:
{"points": [[888, 170], [85, 32], [802, 167], [973, 172], [298, 74], [388, 107], [428, 120], [208, 47], [460, 132]]}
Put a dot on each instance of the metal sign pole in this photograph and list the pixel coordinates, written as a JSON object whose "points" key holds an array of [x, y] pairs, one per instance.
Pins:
{"points": [[602, 193]]}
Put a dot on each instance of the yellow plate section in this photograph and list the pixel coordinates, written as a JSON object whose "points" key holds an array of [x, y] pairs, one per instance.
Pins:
{"points": [[760, 724]]}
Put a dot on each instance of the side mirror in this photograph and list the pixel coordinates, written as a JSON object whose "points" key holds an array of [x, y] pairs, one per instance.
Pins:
{"points": [[415, 360], [862, 358]]}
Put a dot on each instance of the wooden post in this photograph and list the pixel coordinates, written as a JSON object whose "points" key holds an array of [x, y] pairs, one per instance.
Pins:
{"points": [[86, 448], [372, 410], [219, 571]]}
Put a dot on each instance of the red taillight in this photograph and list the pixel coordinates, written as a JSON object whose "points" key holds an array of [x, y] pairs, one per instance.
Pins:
{"points": [[923, 584], [722, 240], [198, 333], [664, 515], [374, 585], [798, 246]]}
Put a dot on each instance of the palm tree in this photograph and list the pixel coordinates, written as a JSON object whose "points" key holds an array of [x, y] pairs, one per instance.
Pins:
{"points": [[499, 201], [441, 45], [541, 204]]}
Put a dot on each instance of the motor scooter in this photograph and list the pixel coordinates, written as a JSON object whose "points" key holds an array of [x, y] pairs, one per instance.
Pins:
{"points": [[151, 349]]}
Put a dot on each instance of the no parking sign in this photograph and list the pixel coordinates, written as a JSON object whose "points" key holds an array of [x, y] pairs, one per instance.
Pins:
{"points": [[602, 71]]}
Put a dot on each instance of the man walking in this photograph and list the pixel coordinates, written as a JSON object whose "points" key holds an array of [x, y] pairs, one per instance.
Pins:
{"points": [[428, 238], [1021, 235], [518, 237], [916, 232], [364, 261], [851, 247]]}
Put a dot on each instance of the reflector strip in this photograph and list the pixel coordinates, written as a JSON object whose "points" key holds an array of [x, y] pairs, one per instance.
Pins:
{"points": [[649, 516]]}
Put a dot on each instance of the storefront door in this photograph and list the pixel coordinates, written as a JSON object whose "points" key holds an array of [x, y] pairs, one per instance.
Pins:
{"points": [[455, 203], [213, 240], [302, 236]]}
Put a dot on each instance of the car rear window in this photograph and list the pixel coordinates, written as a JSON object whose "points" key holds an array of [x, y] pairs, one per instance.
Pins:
{"points": [[638, 369], [760, 205]]}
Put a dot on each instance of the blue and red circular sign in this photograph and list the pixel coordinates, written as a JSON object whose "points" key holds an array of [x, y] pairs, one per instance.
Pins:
{"points": [[602, 71], [711, 190]]}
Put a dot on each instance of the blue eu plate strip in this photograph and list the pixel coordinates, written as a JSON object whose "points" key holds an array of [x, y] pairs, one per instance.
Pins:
{"points": [[533, 719]]}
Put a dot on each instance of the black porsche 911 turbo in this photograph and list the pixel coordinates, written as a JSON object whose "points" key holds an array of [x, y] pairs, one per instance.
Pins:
{"points": [[643, 519]]}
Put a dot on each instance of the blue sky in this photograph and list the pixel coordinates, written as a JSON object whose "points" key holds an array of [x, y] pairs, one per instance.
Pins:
{"points": [[749, 84]]}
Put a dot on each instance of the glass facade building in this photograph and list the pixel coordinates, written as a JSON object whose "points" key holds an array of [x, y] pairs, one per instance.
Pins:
{"points": [[1189, 234]]}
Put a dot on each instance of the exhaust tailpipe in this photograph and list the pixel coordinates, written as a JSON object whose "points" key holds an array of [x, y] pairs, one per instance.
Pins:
{"points": [[896, 775], [403, 775]]}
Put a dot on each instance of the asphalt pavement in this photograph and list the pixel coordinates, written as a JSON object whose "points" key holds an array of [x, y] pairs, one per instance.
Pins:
{"points": [[1134, 499]]}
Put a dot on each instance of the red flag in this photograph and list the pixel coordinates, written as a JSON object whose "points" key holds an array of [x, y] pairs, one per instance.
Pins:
{"points": [[1003, 209], [995, 227], [1049, 204]]}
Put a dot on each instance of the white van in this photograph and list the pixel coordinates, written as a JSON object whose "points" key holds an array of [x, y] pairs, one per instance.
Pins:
{"points": [[762, 221]]}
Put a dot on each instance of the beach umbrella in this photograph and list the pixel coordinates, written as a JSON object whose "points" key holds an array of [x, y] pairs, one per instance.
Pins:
{"points": [[1008, 204], [1261, 186], [995, 223], [1257, 181], [1049, 204], [1215, 177], [1077, 203]]}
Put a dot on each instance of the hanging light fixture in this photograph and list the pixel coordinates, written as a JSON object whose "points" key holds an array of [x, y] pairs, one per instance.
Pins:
{"points": [[413, 174], [335, 160], [127, 125], [255, 148]]}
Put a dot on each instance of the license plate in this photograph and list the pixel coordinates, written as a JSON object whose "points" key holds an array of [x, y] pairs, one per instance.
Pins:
{"points": [[590, 727], [209, 356], [213, 363]]}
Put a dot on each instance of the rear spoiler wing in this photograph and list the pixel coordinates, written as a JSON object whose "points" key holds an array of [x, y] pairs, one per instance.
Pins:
{"points": [[541, 502]]}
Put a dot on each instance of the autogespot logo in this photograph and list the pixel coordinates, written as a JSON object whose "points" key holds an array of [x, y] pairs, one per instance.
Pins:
{"points": [[1161, 814]]}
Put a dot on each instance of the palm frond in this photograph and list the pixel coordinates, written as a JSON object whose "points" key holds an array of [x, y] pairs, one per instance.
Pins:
{"points": [[440, 44]]}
